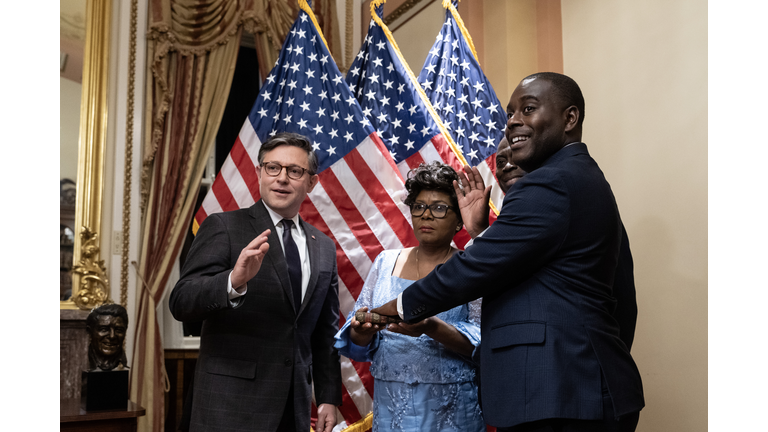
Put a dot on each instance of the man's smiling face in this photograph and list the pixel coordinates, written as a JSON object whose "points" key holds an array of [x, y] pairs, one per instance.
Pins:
{"points": [[507, 173], [536, 123]]}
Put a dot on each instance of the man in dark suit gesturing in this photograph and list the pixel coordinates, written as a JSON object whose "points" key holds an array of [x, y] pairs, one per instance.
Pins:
{"points": [[552, 356], [264, 283]]}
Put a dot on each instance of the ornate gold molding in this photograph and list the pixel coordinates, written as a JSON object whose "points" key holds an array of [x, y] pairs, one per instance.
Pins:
{"points": [[400, 11], [94, 287], [90, 166]]}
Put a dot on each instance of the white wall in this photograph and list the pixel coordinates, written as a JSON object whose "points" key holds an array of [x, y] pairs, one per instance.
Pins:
{"points": [[642, 66], [70, 127]]}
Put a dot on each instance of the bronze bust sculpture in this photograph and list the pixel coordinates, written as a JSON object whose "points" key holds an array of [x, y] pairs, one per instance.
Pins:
{"points": [[106, 326]]}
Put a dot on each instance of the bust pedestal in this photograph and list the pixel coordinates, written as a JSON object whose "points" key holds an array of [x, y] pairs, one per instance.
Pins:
{"points": [[104, 390], [74, 352]]}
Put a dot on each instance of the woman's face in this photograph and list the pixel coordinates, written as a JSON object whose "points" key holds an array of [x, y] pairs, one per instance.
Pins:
{"points": [[430, 230]]}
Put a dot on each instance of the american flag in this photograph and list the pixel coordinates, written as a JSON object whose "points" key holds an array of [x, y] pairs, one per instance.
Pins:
{"points": [[399, 109], [459, 90], [358, 200], [391, 99]]}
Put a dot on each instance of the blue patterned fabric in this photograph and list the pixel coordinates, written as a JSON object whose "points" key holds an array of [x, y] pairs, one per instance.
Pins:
{"points": [[419, 384]]}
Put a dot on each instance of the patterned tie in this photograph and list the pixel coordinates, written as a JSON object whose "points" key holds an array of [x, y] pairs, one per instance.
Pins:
{"points": [[293, 260]]}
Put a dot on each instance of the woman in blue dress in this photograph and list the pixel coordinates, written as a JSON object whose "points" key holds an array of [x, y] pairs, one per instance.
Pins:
{"points": [[424, 378]]}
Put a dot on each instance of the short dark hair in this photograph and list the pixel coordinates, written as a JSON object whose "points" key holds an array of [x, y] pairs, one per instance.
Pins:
{"points": [[566, 90], [434, 176], [291, 139], [109, 309]]}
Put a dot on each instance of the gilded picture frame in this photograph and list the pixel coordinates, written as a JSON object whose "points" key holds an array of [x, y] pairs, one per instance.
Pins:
{"points": [[90, 287]]}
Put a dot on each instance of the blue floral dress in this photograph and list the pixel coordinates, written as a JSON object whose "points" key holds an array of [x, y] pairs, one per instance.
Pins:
{"points": [[419, 385]]}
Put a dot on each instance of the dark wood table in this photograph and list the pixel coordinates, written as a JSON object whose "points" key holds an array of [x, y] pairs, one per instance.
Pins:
{"points": [[75, 418]]}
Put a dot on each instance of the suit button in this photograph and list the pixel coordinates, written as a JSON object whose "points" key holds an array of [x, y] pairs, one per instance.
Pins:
{"points": [[288, 362]]}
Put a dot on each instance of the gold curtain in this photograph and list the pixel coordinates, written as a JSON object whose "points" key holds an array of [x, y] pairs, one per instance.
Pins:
{"points": [[192, 50]]}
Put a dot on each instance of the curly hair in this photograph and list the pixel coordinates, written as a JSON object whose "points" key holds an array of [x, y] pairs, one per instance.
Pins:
{"points": [[434, 176]]}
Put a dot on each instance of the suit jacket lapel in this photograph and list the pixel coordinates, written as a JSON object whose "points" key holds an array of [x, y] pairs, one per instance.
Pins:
{"points": [[261, 221], [313, 263]]}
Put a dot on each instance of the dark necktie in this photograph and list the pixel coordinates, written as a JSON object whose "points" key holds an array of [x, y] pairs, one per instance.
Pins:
{"points": [[293, 260]]}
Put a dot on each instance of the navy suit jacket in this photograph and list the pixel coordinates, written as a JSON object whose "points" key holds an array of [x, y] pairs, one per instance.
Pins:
{"points": [[250, 353], [546, 270]]}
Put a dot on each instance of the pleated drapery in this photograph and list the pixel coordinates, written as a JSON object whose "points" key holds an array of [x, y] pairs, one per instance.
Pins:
{"points": [[192, 50]]}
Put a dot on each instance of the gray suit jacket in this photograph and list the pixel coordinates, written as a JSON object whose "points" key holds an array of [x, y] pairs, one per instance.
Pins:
{"points": [[250, 353]]}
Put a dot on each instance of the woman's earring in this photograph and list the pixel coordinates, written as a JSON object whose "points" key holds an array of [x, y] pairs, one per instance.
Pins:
{"points": [[458, 228]]}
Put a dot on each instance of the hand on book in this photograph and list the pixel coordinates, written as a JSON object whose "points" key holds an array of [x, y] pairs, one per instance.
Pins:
{"points": [[361, 332]]}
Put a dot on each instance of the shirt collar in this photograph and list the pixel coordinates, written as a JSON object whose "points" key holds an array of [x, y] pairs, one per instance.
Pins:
{"points": [[276, 218]]}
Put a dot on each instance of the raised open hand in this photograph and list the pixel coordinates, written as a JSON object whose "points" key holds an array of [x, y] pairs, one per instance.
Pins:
{"points": [[249, 261], [474, 198]]}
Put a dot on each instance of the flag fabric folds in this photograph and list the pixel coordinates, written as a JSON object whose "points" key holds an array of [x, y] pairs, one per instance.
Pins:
{"points": [[358, 199], [398, 108], [459, 90], [392, 100]]}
